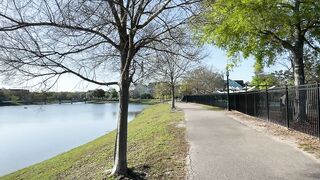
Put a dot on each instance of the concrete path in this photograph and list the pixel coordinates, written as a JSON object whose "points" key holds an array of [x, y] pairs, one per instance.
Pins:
{"points": [[222, 148]]}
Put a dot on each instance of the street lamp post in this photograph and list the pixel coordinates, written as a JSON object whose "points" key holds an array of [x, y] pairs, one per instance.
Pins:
{"points": [[228, 93]]}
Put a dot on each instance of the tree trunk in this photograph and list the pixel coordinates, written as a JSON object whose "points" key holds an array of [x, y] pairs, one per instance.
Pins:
{"points": [[300, 94], [173, 105], [120, 166], [120, 159]]}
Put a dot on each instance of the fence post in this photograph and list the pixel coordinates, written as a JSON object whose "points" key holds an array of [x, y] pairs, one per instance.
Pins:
{"points": [[228, 90], [318, 108], [246, 100], [287, 107], [254, 104], [267, 100], [235, 102]]}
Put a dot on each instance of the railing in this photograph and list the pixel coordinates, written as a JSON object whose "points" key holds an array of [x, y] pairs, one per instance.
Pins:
{"points": [[296, 107]]}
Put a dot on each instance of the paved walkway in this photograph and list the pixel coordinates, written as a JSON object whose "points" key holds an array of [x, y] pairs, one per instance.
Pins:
{"points": [[222, 148]]}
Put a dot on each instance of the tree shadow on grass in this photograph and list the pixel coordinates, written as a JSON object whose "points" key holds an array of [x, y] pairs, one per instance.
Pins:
{"points": [[136, 173]]}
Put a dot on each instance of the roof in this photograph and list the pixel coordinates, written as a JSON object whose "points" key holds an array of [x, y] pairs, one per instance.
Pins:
{"points": [[234, 85], [240, 82]]}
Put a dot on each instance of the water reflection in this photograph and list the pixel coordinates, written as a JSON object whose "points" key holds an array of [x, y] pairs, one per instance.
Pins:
{"points": [[35, 133]]}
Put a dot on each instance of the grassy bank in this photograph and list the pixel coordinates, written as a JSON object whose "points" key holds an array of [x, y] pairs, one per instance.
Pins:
{"points": [[144, 101], [134, 101], [156, 149]]}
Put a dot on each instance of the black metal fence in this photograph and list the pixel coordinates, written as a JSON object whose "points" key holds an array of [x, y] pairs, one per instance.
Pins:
{"points": [[296, 107]]}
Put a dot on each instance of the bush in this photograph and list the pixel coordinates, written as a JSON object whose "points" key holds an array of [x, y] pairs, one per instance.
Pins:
{"points": [[146, 96]]}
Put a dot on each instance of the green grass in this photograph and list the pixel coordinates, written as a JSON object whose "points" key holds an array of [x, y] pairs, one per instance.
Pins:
{"points": [[156, 148], [144, 101]]}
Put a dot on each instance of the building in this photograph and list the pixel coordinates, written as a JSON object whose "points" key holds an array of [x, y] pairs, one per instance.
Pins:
{"points": [[236, 85]]}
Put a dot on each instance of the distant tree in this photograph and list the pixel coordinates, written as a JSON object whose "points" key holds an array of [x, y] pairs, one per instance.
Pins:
{"points": [[98, 93], [44, 97], [107, 94], [2, 96], [134, 94], [202, 80], [146, 96], [51, 96], [138, 90], [21, 95], [63, 95], [14, 99], [35, 97], [171, 68], [69, 96], [185, 87], [162, 90], [263, 81], [265, 30], [114, 93]]}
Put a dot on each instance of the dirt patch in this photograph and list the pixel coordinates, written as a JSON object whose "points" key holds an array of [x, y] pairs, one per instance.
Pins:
{"points": [[306, 143]]}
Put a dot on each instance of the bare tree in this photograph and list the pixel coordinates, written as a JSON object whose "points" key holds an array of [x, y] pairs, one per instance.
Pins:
{"points": [[171, 67], [162, 90], [45, 39], [203, 80]]}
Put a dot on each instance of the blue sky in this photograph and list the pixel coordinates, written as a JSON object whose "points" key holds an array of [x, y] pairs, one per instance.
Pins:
{"points": [[218, 59]]}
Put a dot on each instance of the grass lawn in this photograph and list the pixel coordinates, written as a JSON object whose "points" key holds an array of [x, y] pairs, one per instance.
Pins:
{"points": [[156, 150], [144, 101]]}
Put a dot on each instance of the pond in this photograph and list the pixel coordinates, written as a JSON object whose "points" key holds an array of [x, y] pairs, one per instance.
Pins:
{"points": [[31, 134]]}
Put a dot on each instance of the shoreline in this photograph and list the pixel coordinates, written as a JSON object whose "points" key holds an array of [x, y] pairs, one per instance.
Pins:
{"points": [[152, 135], [133, 101]]}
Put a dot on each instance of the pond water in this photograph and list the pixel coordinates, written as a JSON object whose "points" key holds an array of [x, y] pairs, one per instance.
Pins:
{"points": [[31, 134]]}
